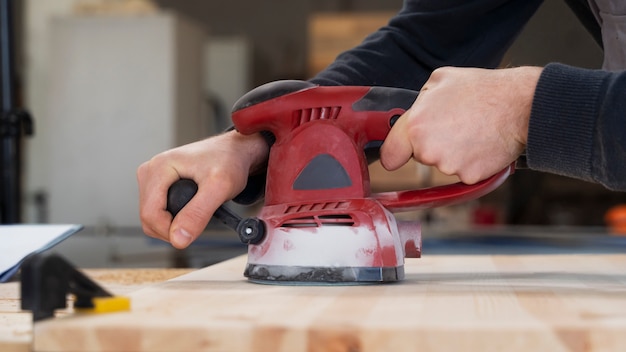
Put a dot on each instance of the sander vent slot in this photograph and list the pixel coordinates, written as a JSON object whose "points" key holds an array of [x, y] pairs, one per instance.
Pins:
{"points": [[299, 224], [316, 206], [336, 220], [313, 114], [322, 220]]}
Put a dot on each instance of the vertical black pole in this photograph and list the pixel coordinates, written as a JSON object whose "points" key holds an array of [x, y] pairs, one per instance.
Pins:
{"points": [[6, 93], [12, 122]]}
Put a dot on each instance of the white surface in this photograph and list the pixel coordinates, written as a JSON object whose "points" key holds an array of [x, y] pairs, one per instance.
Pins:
{"points": [[120, 90], [18, 241], [227, 72], [328, 246]]}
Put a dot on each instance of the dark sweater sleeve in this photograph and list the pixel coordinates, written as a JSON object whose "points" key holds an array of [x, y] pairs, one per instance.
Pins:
{"points": [[577, 125], [427, 34]]}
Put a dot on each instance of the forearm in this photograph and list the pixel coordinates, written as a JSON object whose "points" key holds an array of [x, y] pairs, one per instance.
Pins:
{"points": [[576, 126]]}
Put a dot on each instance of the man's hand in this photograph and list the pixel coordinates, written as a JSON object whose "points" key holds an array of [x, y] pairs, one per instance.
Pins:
{"points": [[467, 122], [220, 165]]}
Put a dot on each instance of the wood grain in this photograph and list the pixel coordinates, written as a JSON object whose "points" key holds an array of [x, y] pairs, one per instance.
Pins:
{"points": [[447, 303], [16, 325]]}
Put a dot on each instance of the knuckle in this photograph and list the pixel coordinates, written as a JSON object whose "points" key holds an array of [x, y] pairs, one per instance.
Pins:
{"points": [[439, 71], [145, 216], [469, 177], [149, 231], [225, 183], [161, 159], [427, 157], [447, 169], [415, 133], [142, 170]]}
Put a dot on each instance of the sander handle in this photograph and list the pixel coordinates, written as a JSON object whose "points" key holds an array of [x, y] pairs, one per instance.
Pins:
{"points": [[250, 230], [439, 196]]}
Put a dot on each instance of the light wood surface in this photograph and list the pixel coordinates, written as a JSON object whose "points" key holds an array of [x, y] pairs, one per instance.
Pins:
{"points": [[16, 325], [446, 303]]}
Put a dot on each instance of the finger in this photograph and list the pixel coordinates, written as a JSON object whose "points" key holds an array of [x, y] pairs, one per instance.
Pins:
{"points": [[397, 149], [154, 218], [194, 217]]}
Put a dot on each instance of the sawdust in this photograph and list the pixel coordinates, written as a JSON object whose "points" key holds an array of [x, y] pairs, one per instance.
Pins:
{"points": [[134, 276]]}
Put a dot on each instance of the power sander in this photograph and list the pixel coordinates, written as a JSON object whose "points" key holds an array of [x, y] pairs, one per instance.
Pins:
{"points": [[320, 223]]}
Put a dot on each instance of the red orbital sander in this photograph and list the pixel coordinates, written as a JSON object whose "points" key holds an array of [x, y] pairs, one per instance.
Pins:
{"points": [[320, 223]]}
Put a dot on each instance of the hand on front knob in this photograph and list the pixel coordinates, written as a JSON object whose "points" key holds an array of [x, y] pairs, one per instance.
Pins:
{"points": [[219, 165]]}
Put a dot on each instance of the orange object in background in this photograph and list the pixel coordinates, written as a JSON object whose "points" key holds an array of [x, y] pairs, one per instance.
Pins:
{"points": [[615, 219]]}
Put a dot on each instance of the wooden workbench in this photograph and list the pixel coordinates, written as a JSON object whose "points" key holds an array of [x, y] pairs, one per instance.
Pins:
{"points": [[446, 303], [16, 326]]}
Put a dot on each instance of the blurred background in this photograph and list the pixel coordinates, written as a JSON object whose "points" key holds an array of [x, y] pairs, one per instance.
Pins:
{"points": [[110, 83]]}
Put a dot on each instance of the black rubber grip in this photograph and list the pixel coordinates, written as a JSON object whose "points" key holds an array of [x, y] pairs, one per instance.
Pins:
{"points": [[179, 194], [250, 230]]}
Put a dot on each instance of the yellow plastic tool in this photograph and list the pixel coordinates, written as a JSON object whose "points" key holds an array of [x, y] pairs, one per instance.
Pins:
{"points": [[106, 305]]}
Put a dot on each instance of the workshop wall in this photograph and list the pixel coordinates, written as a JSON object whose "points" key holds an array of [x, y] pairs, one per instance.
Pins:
{"points": [[277, 29], [117, 90]]}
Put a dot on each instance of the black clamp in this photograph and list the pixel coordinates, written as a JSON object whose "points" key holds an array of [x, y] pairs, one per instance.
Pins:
{"points": [[46, 280]]}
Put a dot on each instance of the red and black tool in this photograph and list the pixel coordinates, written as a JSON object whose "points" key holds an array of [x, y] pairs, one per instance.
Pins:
{"points": [[320, 222]]}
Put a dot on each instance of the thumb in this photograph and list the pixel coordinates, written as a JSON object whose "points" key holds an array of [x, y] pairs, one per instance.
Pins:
{"points": [[396, 150], [193, 218]]}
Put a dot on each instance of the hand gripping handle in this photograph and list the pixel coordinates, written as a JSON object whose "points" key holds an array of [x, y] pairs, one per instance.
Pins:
{"points": [[441, 195], [250, 230]]}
